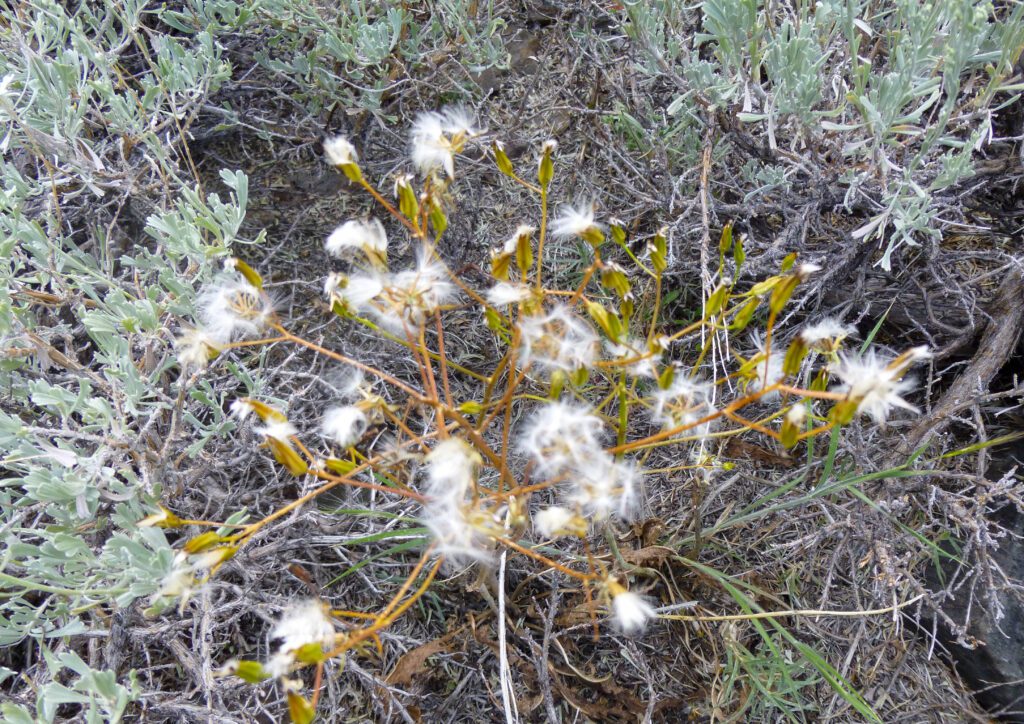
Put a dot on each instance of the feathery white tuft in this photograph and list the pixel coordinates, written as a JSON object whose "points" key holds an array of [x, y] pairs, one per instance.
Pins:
{"points": [[561, 436], [876, 385], [557, 341], [344, 425], [354, 292], [277, 429], [302, 624], [367, 236], [234, 309], [195, 347], [437, 137], [828, 329], [685, 402], [504, 293], [574, 220], [631, 612], [557, 521], [414, 293], [339, 151]]}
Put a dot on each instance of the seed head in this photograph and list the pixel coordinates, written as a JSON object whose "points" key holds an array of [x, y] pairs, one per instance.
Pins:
{"points": [[577, 221], [557, 341], [875, 385], [339, 151], [344, 425]]}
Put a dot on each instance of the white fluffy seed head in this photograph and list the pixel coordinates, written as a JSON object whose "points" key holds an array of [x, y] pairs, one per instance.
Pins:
{"points": [[557, 521], [828, 329], [277, 429], [768, 370], [464, 534], [685, 402], [558, 341], [301, 624], [631, 612], [560, 436], [195, 348], [234, 309], [339, 151], [344, 425], [504, 293], [367, 236], [353, 292], [510, 245], [603, 487], [877, 387], [451, 469], [643, 362], [414, 293], [575, 220], [437, 137], [241, 409]]}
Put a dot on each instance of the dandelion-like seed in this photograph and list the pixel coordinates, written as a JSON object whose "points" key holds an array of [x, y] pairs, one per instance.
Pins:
{"points": [[631, 612], [234, 309], [303, 624], [557, 521], [339, 151], [279, 430], [560, 436], [367, 236], [826, 335], [414, 293], [684, 403], [196, 348], [353, 293], [451, 469], [344, 425], [241, 409], [877, 386], [602, 486], [503, 293], [557, 341], [768, 371], [577, 221], [179, 582], [462, 527], [633, 351], [438, 137]]}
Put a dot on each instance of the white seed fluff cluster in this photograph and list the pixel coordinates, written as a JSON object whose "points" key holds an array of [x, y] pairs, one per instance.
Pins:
{"points": [[685, 402], [574, 220], [768, 371], [876, 385], [393, 299], [558, 341], [302, 624], [631, 612], [344, 425], [827, 330], [564, 442], [461, 527], [641, 362], [340, 151], [437, 137], [233, 309], [367, 236], [229, 310]]}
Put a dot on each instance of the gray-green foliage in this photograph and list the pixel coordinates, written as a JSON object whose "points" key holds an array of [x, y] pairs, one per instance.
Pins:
{"points": [[349, 54], [106, 233], [904, 91], [87, 372]]}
